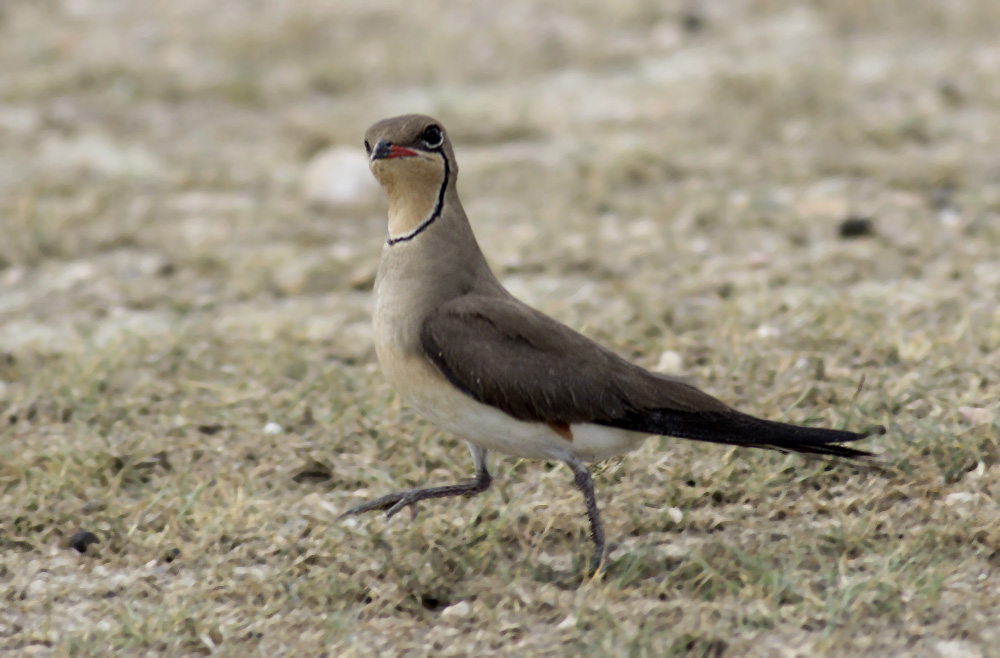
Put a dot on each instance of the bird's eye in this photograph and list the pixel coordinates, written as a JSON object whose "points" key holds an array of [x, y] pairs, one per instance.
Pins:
{"points": [[368, 147], [433, 136]]}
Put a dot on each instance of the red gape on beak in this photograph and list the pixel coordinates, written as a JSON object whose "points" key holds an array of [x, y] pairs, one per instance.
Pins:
{"points": [[385, 150]]}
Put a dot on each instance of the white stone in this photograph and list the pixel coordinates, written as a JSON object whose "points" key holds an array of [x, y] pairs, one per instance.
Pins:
{"points": [[977, 415], [670, 362], [567, 624], [273, 428], [957, 649], [768, 331], [460, 609], [959, 498], [338, 176]]}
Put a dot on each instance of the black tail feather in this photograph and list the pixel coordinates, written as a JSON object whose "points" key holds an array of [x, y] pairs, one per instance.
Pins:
{"points": [[739, 429]]}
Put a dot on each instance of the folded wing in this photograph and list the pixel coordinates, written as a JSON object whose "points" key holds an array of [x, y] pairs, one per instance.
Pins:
{"points": [[505, 354]]}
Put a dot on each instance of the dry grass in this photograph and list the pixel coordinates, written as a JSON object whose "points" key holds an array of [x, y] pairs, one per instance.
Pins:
{"points": [[185, 359]]}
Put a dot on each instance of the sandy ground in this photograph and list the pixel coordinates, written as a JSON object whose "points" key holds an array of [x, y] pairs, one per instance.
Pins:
{"points": [[188, 238]]}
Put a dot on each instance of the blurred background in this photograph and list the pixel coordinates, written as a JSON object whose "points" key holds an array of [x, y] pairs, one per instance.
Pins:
{"points": [[774, 198]]}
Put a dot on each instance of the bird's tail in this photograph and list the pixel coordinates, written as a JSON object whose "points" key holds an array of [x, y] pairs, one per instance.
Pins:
{"points": [[739, 429]]}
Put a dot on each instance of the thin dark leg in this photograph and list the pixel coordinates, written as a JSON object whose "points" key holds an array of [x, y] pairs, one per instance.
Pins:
{"points": [[586, 485], [395, 502]]}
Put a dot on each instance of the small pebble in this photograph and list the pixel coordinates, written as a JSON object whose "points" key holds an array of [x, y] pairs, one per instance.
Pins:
{"points": [[977, 415], [856, 227], [82, 539], [692, 22], [339, 176], [567, 624], [460, 609], [670, 362]]}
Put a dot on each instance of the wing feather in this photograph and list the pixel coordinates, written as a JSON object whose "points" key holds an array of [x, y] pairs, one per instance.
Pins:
{"points": [[510, 356], [505, 354]]}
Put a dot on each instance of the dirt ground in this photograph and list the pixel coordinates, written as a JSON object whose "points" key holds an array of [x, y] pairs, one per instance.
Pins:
{"points": [[188, 238]]}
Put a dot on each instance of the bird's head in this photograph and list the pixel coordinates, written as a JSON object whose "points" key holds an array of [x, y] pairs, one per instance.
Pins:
{"points": [[409, 152], [412, 158]]}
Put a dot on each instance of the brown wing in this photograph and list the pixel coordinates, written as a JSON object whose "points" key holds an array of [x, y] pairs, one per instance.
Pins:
{"points": [[512, 357]]}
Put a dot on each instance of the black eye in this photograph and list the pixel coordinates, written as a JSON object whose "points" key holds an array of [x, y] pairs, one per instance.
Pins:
{"points": [[368, 147], [433, 136]]}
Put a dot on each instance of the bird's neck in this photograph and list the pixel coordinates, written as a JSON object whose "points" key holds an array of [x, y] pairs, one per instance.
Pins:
{"points": [[408, 213], [416, 202], [442, 255]]}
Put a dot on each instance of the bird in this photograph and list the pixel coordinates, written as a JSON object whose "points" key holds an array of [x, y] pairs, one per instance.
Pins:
{"points": [[480, 364]]}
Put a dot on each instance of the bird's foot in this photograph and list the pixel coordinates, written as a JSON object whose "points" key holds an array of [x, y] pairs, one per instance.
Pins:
{"points": [[391, 503]]}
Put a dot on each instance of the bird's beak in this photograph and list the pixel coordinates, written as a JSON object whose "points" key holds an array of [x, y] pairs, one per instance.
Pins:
{"points": [[385, 150]]}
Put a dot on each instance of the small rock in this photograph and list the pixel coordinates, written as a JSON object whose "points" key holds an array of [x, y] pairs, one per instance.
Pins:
{"points": [[460, 609], [292, 278], [692, 21], [957, 649], [313, 471], [675, 515], [362, 277], [856, 227], [567, 624], [768, 331], [34, 589], [977, 415], [950, 218], [338, 176], [273, 428], [959, 498], [670, 362], [93, 505], [82, 539]]}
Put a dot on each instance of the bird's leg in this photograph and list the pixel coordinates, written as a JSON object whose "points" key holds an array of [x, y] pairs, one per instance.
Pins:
{"points": [[395, 502], [586, 486]]}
